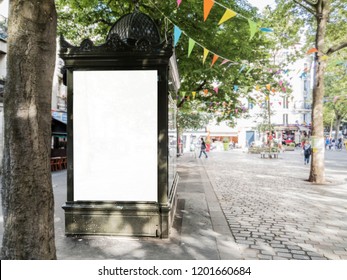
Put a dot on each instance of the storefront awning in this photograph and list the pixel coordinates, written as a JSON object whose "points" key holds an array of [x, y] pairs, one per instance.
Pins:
{"points": [[60, 116]]}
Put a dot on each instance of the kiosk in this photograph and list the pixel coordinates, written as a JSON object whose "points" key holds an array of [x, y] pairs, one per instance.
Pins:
{"points": [[121, 132]]}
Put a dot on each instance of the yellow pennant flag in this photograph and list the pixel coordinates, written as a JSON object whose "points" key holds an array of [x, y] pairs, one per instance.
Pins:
{"points": [[227, 15], [215, 58], [193, 94], [206, 51]]}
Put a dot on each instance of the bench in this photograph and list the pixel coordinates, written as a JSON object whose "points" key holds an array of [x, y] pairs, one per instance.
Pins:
{"points": [[269, 155]]}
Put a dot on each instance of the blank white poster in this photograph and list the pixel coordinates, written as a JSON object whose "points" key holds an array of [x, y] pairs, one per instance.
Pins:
{"points": [[115, 135]]}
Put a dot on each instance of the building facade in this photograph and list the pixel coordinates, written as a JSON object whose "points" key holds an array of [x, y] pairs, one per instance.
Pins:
{"points": [[290, 115]]}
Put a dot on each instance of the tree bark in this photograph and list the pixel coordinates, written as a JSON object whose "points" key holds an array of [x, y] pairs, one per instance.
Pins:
{"points": [[337, 126], [27, 195], [317, 172]]}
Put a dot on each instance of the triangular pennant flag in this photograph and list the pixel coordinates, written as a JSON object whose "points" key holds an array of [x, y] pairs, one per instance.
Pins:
{"points": [[191, 44], [206, 51], [225, 61], [193, 94], [242, 68], [253, 28], [313, 50], [227, 15], [236, 87], [177, 34], [257, 87], [249, 70], [265, 29], [268, 86], [179, 3], [215, 58], [216, 89], [208, 4]]}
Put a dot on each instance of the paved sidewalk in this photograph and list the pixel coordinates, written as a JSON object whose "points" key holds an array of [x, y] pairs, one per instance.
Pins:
{"points": [[200, 230], [274, 213], [233, 206]]}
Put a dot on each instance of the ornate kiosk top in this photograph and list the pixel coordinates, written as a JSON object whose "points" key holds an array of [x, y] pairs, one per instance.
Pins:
{"points": [[134, 33]]}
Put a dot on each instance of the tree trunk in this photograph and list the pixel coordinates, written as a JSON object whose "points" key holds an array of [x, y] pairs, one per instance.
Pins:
{"points": [[337, 126], [27, 195], [317, 173]]}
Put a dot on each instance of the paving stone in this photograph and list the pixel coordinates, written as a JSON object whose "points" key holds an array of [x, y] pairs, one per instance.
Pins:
{"points": [[301, 257], [264, 257], [284, 255], [318, 258], [298, 252]]}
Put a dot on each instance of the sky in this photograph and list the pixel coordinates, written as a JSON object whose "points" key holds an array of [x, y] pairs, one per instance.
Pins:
{"points": [[261, 3]]}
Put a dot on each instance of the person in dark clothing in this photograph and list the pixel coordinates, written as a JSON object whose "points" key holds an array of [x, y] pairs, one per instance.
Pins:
{"points": [[203, 148], [307, 152]]}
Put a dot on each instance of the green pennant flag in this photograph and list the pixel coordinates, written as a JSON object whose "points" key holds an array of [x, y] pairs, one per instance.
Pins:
{"points": [[191, 45], [253, 28], [249, 70]]}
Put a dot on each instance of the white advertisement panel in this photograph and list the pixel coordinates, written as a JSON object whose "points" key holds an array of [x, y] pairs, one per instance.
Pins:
{"points": [[115, 135]]}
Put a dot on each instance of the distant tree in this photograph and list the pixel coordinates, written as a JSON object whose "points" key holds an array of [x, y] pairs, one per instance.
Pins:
{"points": [[325, 22], [27, 194], [193, 116], [336, 93]]}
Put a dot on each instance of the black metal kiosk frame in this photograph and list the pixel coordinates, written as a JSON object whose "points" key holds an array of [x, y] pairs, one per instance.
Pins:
{"points": [[133, 43]]}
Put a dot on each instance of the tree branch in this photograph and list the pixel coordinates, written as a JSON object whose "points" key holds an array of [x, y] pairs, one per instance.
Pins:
{"points": [[309, 2], [311, 11], [184, 99], [337, 47]]}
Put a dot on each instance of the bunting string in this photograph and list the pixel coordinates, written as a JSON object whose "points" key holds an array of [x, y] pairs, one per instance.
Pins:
{"points": [[228, 14]]}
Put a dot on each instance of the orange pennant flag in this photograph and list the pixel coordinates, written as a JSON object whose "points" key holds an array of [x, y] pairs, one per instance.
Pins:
{"points": [[313, 50], [215, 58], [208, 4], [268, 86], [227, 15]]}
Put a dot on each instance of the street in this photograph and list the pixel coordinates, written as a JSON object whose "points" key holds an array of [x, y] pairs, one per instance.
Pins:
{"points": [[274, 213]]}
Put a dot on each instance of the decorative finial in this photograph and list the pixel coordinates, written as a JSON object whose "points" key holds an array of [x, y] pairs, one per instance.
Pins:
{"points": [[136, 4]]}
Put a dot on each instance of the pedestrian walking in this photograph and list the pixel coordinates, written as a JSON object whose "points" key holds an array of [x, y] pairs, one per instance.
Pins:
{"points": [[307, 152], [203, 148], [339, 144]]}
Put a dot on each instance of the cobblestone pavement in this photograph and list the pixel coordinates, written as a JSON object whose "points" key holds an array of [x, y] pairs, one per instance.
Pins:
{"points": [[274, 213]]}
